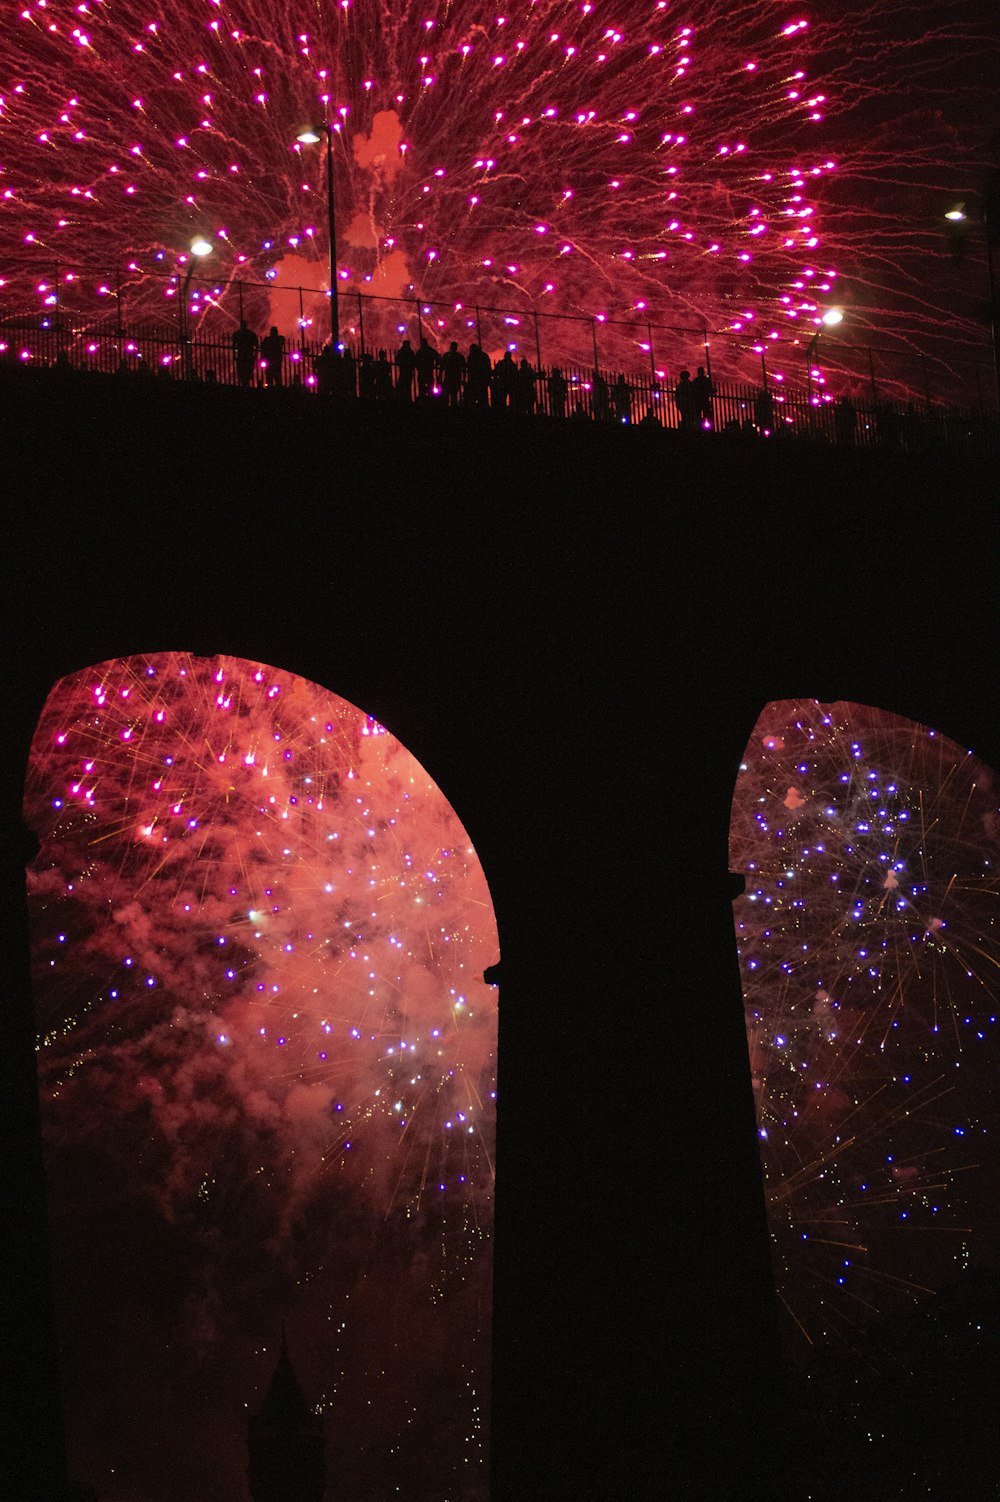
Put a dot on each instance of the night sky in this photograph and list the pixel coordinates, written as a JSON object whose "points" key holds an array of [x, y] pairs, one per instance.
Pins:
{"points": [[268, 1058], [624, 161], [268, 1076], [869, 940]]}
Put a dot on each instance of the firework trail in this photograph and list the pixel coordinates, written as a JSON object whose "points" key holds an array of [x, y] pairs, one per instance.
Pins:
{"points": [[258, 937], [870, 953], [645, 160]]}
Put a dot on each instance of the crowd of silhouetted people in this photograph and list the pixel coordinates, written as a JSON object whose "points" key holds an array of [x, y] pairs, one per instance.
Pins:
{"points": [[472, 380], [454, 379], [512, 386], [516, 387]]}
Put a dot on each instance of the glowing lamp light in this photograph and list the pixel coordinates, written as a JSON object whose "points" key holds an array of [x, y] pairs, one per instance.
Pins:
{"points": [[832, 317], [309, 137], [201, 247], [956, 215]]}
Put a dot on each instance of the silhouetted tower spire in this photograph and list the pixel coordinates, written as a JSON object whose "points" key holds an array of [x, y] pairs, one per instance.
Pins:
{"points": [[285, 1442]]}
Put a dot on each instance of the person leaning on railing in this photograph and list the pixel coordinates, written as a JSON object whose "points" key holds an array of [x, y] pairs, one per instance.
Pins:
{"points": [[246, 349]]}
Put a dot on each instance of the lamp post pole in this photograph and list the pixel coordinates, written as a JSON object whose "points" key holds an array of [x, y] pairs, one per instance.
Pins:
{"points": [[332, 231], [992, 230], [989, 209], [829, 320], [185, 337], [810, 356], [200, 247], [311, 136]]}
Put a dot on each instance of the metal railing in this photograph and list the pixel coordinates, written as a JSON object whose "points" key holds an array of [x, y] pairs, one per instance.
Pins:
{"points": [[512, 389], [931, 369]]}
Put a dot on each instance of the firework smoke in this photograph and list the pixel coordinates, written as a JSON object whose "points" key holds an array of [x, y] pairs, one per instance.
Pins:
{"points": [[267, 1055], [685, 163]]}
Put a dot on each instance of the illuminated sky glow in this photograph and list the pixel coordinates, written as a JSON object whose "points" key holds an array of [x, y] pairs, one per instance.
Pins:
{"points": [[681, 161], [869, 940], [268, 1070]]}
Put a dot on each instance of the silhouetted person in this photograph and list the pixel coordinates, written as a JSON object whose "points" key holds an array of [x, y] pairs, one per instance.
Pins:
{"points": [[503, 382], [453, 370], [579, 413], [558, 392], [405, 366], [600, 398], [325, 367], [246, 348], [621, 399], [649, 419], [426, 362], [272, 348], [844, 419], [524, 389], [913, 430], [763, 411], [686, 401], [479, 368], [702, 392], [888, 425], [366, 377], [383, 377]]}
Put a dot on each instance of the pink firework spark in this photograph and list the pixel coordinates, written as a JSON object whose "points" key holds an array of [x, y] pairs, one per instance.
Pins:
{"points": [[574, 144], [638, 161]]}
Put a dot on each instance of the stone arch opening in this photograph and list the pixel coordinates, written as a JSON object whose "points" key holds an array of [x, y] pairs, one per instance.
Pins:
{"points": [[267, 1063], [869, 946]]}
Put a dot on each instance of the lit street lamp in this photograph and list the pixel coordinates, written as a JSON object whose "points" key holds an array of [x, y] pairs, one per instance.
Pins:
{"points": [[311, 137], [989, 207], [200, 247]]}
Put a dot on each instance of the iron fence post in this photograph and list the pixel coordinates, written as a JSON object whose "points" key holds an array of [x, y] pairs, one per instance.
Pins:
{"points": [[302, 330]]}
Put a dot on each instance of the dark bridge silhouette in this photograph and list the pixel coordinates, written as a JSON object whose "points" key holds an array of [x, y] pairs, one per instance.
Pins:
{"points": [[575, 637]]}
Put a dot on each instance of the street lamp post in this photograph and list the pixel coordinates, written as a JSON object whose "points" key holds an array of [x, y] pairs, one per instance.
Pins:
{"points": [[200, 247], [990, 209], [829, 320], [311, 137]]}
